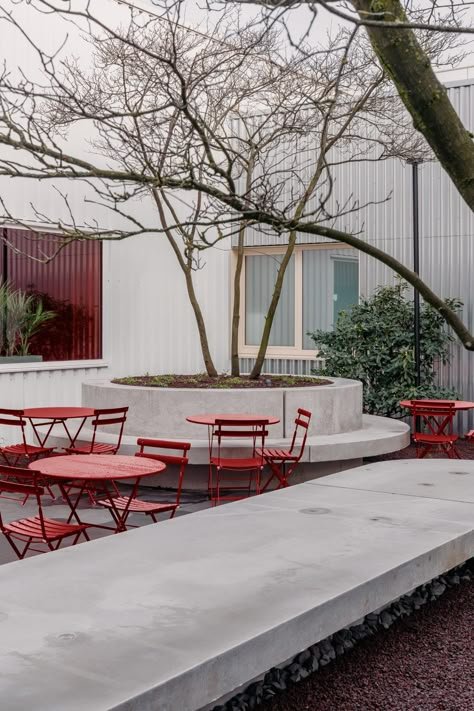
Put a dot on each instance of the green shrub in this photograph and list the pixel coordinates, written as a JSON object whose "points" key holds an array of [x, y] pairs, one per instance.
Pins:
{"points": [[374, 342]]}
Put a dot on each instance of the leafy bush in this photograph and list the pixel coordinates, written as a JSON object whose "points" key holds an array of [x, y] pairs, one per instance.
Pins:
{"points": [[21, 317], [374, 342]]}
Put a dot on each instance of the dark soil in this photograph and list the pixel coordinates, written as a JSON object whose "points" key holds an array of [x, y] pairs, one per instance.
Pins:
{"points": [[425, 662], [222, 381]]}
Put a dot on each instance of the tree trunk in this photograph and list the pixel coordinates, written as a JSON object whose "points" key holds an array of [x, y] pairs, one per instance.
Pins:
{"points": [[257, 368], [186, 267], [423, 94], [206, 353]]}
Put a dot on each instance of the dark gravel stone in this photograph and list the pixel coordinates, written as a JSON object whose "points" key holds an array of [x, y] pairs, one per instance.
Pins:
{"points": [[393, 666], [424, 662]]}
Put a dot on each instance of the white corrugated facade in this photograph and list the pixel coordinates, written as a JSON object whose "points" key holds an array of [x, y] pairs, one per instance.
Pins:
{"points": [[148, 322]]}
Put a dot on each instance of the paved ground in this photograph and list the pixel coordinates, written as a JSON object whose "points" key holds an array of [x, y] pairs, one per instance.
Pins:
{"points": [[11, 510]]}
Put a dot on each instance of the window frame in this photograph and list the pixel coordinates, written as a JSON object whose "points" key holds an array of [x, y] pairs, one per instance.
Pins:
{"points": [[296, 351], [67, 364]]}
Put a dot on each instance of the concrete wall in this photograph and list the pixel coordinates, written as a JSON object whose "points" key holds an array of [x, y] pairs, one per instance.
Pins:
{"points": [[162, 412]]}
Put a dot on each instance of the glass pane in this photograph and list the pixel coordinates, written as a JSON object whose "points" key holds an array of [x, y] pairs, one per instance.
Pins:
{"points": [[327, 286], [260, 275], [346, 285]]}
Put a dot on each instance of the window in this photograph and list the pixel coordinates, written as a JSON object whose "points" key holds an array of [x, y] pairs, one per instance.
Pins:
{"points": [[70, 285], [260, 275], [319, 282]]}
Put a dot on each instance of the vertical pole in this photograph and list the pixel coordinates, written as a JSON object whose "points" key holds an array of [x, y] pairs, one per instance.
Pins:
{"points": [[4, 281], [416, 269]]}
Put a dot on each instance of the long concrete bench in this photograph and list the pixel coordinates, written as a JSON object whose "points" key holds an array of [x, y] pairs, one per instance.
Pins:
{"points": [[175, 615], [323, 455]]}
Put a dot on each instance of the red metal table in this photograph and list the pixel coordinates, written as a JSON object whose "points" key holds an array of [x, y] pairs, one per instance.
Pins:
{"points": [[210, 418], [51, 416], [97, 470], [458, 404], [442, 424]]}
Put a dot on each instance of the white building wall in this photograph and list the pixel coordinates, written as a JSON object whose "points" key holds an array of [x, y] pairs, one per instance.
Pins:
{"points": [[148, 323]]}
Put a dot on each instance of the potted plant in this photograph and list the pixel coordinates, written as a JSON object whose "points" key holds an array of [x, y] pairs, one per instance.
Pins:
{"points": [[21, 317]]}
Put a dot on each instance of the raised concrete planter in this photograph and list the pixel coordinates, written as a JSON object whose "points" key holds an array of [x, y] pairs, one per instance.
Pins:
{"points": [[162, 412], [175, 615], [339, 436]]}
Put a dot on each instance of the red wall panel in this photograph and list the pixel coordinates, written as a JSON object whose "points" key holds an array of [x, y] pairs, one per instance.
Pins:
{"points": [[70, 285]]}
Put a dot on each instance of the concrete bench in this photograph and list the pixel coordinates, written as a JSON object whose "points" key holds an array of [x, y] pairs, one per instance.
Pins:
{"points": [[175, 615], [324, 454]]}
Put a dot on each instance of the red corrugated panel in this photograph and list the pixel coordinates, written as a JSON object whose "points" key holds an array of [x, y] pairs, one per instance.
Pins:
{"points": [[70, 285]]}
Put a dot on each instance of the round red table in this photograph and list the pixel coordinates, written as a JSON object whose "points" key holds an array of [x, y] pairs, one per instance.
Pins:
{"points": [[98, 470], [458, 404], [51, 416], [210, 419]]}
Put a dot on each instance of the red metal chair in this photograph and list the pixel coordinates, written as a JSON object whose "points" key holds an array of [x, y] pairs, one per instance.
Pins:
{"points": [[436, 419], [13, 453], [15, 418], [34, 530], [131, 504], [282, 462], [236, 474], [103, 418]]}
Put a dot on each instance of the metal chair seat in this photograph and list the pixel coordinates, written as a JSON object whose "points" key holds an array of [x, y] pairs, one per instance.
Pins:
{"points": [[435, 438], [123, 503], [52, 531], [96, 448], [26, 450], [236, 463], [279, 455]]}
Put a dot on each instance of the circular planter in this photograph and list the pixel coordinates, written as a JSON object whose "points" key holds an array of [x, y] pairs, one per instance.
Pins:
{"points": [[162, 412]]}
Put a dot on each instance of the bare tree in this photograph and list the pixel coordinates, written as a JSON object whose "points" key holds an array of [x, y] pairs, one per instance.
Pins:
{"points": [[255, 137]]}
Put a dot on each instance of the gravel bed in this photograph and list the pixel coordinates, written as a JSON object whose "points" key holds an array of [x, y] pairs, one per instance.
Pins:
{"points": [[425, 662]]}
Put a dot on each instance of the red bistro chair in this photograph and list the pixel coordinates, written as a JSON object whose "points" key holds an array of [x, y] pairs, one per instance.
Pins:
{"points": [[236, 474], [436, 419], [153, 508], [103, 418], [13, 453], [27, 533], [282, 462]]}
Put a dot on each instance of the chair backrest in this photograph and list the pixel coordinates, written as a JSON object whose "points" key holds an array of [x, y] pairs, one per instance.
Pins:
{"points": [[180, 460], [437, 415], [302, 420], [105, 417], [14, 418], [25, 482], [251, 432]]}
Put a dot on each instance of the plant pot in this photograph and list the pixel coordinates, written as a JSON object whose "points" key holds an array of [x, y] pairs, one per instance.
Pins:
{"points": [[21, 359]]}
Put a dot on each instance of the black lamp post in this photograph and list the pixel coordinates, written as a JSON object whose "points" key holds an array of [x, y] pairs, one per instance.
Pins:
{"points": [[416, 269]]}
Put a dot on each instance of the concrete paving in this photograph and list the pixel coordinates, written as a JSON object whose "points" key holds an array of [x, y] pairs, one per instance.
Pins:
{"points": [[172, 616]]}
